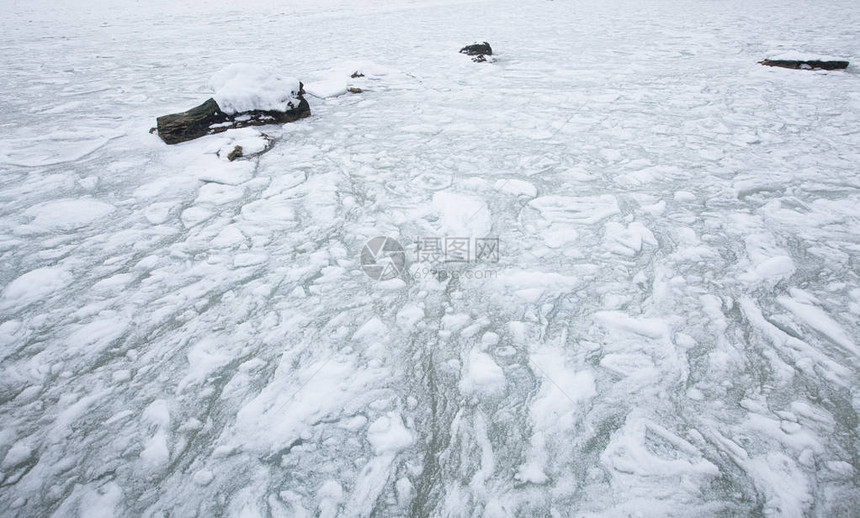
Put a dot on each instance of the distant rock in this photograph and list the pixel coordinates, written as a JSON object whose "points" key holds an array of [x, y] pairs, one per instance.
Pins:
{"points": [[806, 64], [479, 51]]}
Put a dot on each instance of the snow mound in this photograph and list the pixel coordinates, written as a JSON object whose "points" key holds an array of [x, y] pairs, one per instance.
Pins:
{"points": [[483, 376], [244, 87], [34, 285], [389, 435]]}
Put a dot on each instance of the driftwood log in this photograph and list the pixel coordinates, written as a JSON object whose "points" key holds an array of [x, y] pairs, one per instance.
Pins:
{"points": [[805, 65], [208, 119]]}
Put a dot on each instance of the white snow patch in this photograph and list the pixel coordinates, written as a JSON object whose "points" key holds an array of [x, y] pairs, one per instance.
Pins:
{"points": [[97, 335], [205, 357], [155, 452], [212, 169], [203, 477], [250, 139], [554, 410], [337, 80], [19, 453], [532, 285], [331, 87], [229, 236], [193, 216], [409, 315], [647, 457], [774, 268], [794, 55], [68, 214], [388, 435], [250, 259], [35, 285], [370, 331], [586, 210], [101, 503], [801, 304], [516, 187], [647, 327], [56, 148], [461, 215], [482, 375], [330, 495], [246, 87], [627, 240]]}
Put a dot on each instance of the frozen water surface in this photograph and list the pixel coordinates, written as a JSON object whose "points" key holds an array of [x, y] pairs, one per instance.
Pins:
{"points": [[671, 330]]}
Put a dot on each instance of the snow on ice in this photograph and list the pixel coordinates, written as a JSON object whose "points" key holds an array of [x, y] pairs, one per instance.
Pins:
{"points": [[246, 87]]}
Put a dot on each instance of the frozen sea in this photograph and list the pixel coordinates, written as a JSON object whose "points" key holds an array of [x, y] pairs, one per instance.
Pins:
{"points": [[671, 328]]}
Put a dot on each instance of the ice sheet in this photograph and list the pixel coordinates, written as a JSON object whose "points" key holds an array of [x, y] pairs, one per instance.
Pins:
{"points": [[669, 328]]}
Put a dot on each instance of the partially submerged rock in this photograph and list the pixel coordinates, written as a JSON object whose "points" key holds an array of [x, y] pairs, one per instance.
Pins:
{"points": [[805, 63], [477, 49], [236, 153], [244, 144]]}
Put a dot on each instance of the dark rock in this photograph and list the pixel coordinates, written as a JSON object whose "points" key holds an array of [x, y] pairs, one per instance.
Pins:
{"points": [[477, 49], [208, 119], [805, 65], [236, 153], [356, 74]]}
